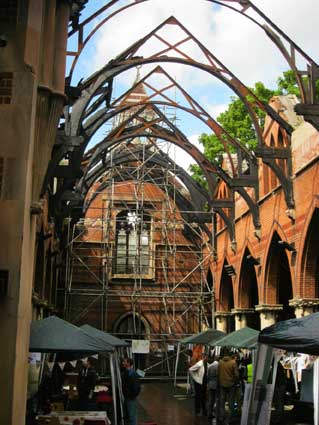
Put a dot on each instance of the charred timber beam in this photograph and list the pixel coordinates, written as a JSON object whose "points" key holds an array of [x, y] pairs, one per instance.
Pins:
{"points": [[269, 152], [244, 181], [310, 113], [222, 203], [285, 181]]}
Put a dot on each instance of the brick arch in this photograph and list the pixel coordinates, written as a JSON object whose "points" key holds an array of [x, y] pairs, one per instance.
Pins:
{"points": [[276, 228], [210, 279], [211, 287], [307, 273], [127, 316], [278, 284], [224, 289], [247, 288], [226, 300], [223, 192], [124, 323]]}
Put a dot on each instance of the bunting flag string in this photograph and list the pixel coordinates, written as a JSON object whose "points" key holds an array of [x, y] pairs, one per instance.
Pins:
{"points": [[50, 366]]}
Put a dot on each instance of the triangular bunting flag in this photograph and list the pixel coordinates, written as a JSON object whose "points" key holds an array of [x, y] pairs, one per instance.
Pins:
{"points": [[62, 365], [73, 363], [50, 366]]}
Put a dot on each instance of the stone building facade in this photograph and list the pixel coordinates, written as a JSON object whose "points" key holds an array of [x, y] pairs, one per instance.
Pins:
{"points": [[32, 71]]}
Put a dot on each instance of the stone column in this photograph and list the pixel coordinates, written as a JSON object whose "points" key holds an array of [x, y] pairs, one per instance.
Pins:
{"points": [[48, 45], [241, 317], [304, 306], [268, 314], [221, 320], [19, 64], [61, 38]]}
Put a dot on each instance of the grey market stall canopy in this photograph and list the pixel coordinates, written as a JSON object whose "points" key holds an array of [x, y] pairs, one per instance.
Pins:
{"points": [[53, 334], [204, 337], [242, 338], [299, 335], [109, 339]]}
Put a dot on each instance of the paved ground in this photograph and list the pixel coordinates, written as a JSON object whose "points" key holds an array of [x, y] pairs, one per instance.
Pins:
{"points": [[162, 404]]}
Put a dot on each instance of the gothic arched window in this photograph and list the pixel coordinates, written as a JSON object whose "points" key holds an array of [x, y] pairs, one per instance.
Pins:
{"points": [[133, 243]]}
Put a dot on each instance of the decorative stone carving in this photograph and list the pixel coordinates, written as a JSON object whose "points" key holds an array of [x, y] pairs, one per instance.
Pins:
{"points": [[304, 306], [268, 313]]}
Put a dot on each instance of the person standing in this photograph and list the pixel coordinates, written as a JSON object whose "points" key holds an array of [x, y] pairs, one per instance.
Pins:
{"points": [[199, 374], [212, 383], [86, 383], [228, 377], [279, 395], [131, 388]]}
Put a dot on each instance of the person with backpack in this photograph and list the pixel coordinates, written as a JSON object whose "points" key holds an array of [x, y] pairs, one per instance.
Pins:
{"points": [[131, 388]]}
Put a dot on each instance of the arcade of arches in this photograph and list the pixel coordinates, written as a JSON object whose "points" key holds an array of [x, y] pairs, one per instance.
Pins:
{"points": [[118, 235]]}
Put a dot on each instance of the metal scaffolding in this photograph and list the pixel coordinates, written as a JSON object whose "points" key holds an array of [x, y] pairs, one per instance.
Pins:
{"points": [[170, 291]]}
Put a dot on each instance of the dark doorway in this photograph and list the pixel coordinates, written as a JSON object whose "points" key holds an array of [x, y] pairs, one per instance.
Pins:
{"points": [[227, 295], [211, 304], [130, 327], [248, 289], [278, 278], [310, 260]]}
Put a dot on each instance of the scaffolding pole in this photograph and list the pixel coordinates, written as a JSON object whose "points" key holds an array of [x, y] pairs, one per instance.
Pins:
{"points": [[182, 295]]}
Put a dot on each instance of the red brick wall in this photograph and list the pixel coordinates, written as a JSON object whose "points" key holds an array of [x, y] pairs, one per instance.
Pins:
{"points": [[179, 266], [273, 217]]}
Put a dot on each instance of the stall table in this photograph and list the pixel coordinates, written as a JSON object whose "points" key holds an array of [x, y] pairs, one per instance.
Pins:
{"points": [[75, 417]]}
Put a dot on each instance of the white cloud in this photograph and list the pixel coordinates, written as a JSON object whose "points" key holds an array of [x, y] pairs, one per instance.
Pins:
{"points": [[215, 109], [243, 47], [194, 140], [246, 49], [182, 158], [179, 155]]}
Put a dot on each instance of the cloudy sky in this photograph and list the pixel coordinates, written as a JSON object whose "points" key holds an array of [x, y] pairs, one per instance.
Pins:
{"points": [[234, 40]]}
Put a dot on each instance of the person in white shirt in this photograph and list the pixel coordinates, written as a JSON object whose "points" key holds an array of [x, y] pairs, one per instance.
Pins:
{"points": [[199, 374]]}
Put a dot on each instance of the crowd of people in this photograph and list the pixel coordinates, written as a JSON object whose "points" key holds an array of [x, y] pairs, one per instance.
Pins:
{"points": [[218, 384], [222, 380]]}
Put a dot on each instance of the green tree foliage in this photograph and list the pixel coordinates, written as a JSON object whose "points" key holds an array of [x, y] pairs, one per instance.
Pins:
{"points": [[237, 121], [287, 84]]}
